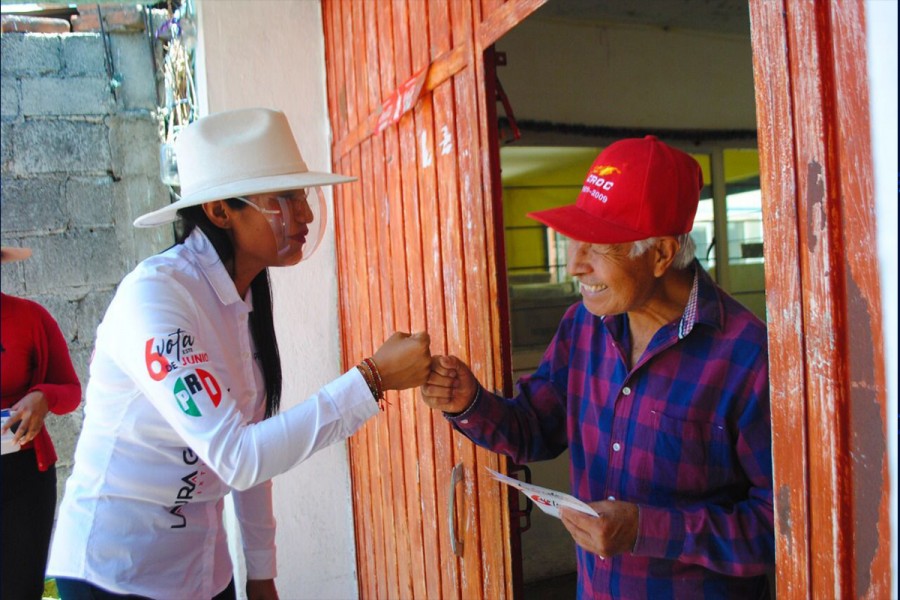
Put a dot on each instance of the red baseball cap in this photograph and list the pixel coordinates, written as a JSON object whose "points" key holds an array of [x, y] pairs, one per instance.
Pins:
{"points": [[637, 188]]}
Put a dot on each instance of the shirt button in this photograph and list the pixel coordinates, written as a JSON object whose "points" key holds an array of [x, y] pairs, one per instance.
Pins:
{"points": [[610, 497], [464, 421], [626, 390], [617, 446]]}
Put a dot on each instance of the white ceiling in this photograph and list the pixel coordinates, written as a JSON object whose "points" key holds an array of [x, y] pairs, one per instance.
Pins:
{"points": [[721, 16], [540, 153]]}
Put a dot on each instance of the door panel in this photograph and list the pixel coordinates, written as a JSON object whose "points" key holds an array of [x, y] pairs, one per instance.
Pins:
{"points": [[416, 245], [414, 242], [825, 335]]}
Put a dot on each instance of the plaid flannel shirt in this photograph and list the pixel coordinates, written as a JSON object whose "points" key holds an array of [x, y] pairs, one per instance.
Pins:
{"points": [[685, 434]]}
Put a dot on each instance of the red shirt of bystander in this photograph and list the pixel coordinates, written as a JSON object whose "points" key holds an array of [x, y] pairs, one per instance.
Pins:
{"points": [[34, 357]]}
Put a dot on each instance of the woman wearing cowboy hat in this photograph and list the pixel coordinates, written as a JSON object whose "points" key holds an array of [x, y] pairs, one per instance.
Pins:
{"points": [[36, 377], [182, 403]]}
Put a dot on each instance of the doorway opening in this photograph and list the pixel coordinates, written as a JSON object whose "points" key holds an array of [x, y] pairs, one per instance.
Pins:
{"points": [[578, 77]]}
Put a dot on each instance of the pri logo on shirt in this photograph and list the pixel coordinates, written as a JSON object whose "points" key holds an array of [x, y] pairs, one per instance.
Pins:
{"points": [[194, 386]]}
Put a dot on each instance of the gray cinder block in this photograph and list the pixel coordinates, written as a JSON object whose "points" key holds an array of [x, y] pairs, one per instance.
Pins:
{"points": [[67, 96], [32, 205], [62, 146], [84, 54], [30, 54]]}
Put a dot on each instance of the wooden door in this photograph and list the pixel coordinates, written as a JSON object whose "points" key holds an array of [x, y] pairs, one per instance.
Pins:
{"points": [[416, 241], [415, 244], [825, 334]]}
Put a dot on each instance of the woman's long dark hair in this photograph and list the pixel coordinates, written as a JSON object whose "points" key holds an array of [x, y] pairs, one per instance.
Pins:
{"points": [[261, 325]]}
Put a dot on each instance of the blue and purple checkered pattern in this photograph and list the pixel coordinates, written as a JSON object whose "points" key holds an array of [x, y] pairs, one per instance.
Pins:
{"points": [[685, 434]]}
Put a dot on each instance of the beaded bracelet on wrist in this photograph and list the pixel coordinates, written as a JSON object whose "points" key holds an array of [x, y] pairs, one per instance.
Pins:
{"points": [[370, 381], [370, 373], [378, 384]]}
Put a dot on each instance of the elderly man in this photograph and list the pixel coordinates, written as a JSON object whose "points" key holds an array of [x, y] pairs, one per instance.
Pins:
{"points": [[657, 383]]}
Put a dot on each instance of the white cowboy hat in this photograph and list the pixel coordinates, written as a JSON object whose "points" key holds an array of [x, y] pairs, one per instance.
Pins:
{"points": [[12, 254], [237, 153]]}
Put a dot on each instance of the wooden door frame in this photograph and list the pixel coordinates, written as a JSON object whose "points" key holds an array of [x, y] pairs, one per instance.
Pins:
{"points": [[503, 343], [826, 344], [452, 102], [827, 361], [832, 486]]}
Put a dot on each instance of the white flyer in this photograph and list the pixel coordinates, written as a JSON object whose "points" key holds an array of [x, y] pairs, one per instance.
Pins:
{"points": [[546, 499], [8, 445]]}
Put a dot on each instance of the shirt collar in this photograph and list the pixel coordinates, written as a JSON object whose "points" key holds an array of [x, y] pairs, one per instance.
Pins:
{"points": [[212, 266], [703, 305]]}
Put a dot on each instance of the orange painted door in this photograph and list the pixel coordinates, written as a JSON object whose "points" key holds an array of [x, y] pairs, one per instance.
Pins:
{"points": [[826, 343], [416, 241]]}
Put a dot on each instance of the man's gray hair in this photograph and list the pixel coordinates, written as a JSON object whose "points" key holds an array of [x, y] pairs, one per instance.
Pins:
{"points": [[683, 258]]}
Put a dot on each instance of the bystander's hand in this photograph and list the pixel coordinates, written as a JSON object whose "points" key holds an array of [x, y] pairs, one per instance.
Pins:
{"points": [[30, 413]]}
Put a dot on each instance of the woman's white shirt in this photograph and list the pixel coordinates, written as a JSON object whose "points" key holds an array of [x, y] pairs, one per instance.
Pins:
{"points": [[173, 421]]}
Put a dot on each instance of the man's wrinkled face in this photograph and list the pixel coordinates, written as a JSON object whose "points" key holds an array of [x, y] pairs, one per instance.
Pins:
{"points": [[610, 280]]}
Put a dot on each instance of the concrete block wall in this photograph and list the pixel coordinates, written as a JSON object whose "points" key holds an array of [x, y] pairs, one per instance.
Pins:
{"points": [[79, 160]]}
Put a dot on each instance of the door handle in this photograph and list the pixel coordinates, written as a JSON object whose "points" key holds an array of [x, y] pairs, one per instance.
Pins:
{"points": [[519, 513], [456, 475]]}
